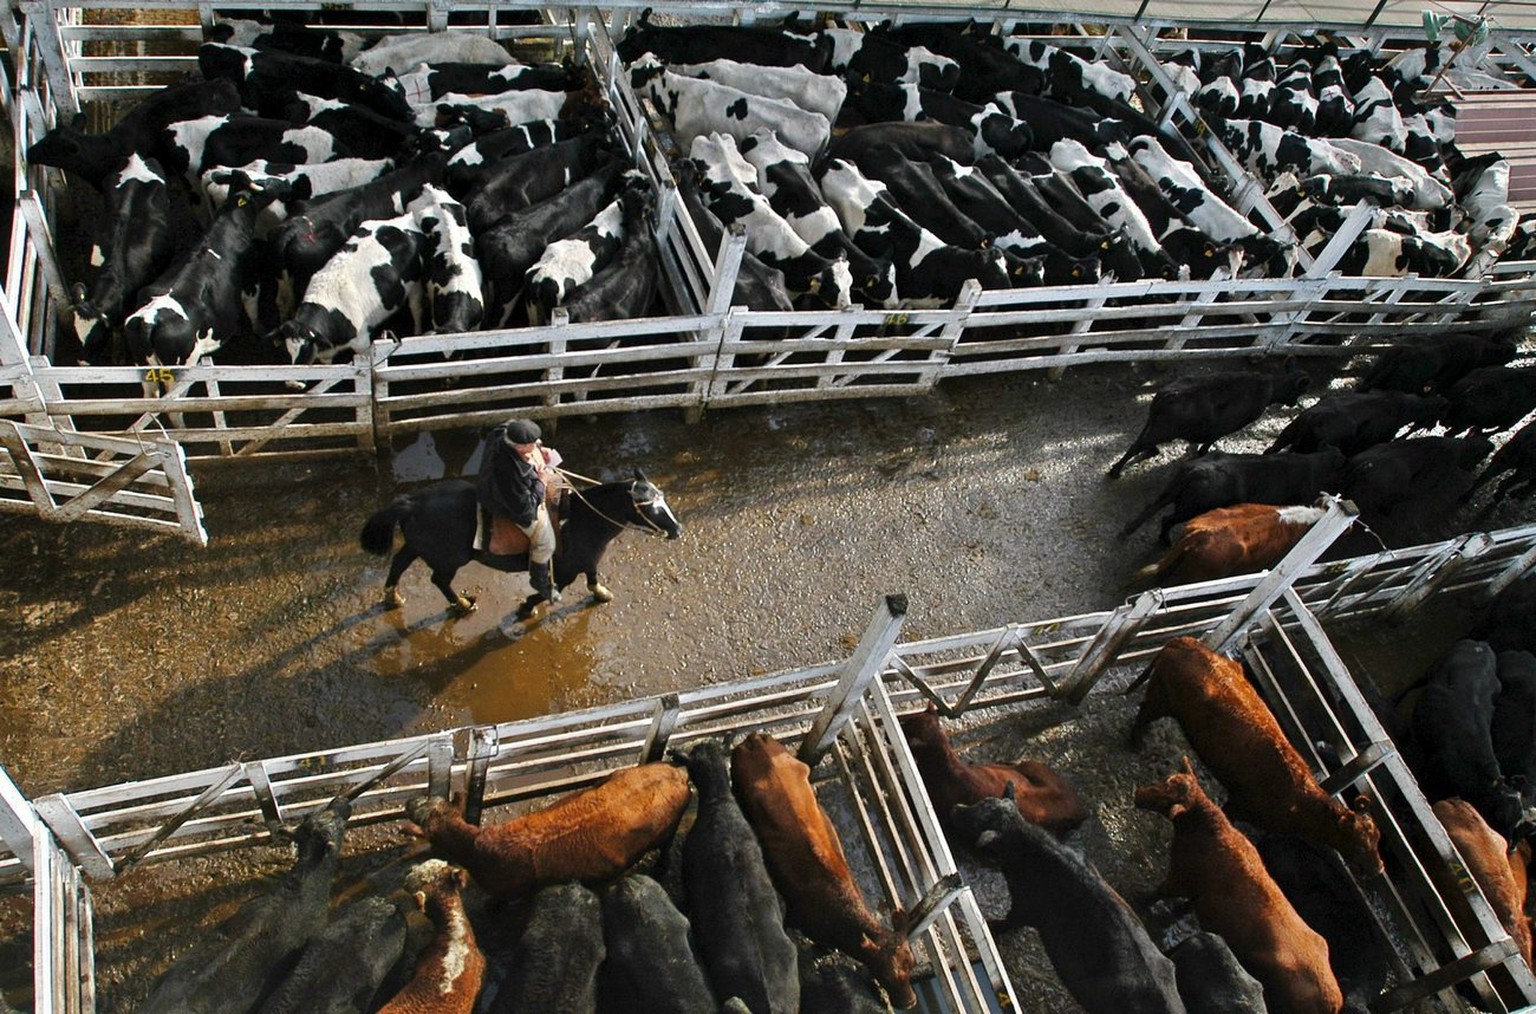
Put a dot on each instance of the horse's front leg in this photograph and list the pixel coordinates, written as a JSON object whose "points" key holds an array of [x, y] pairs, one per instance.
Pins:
{"points": [[599, 591], [403, 559], [459, 605]]}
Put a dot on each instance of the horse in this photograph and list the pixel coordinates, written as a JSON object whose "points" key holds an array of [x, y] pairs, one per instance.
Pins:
{"points": [[439, 522]]}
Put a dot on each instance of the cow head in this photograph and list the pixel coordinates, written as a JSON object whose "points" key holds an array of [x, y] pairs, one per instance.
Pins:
{"points": [[1173, 795], [1290, 385], [300, 340]]}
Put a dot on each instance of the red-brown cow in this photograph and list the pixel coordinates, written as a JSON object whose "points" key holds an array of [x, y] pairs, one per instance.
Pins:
{"points": [[1232, 540], [1487, 857], [1042, 796], [805, 857], [1217, 868], [451, 969], [1239, 740], [590, 836]]}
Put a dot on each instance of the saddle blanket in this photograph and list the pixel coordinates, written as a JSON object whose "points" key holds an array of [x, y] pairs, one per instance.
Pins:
{"points": [[506, 539]]}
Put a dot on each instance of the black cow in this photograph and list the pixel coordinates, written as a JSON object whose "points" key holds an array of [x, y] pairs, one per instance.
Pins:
{"points": [[1509, 622], [197, 305], [627, 286], [1424, 364], [1517, 458], [1355, 420], [507, 250], [1221, 480], [1452, 724], [1514, 720], [1491, 398], [344, 966], [919, 194], [650, 965], [1210, 979], [1095, 942], [513, 184], [136, 245], [142, 129], [232, 964], [555, 967], [916, 140], [1382, 478], [737, 916], [702, 43], [1203, 409], [261, 73]]}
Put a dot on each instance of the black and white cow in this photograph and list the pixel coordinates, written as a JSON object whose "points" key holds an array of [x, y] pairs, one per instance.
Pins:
{"points": [[1294, 104], [625, 288], [1103, 191], [1429, 194], [317, 43], [512, 184], [360, 130], [916, 141], [429, 82], [372, 284], [1335, 105], [136, 244], [758, 287], [1051, 121], [571, 262], [234, 140], [1386, 253], [784, 177], [1093, 238], [261, 73], [916, 188], [728, 183], [817, 93], [197, 306], [985, 67], [470, 165], [502, 108], [994, 130], [455, 287], [401, 52], [1377, 118], [1068, 76], [93, 156], [509, 248], [319, 179], [872, 56], [699, 43], [1268, 149], [929, 272], [698, 108]]}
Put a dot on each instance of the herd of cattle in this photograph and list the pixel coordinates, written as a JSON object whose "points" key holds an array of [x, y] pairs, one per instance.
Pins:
{"points": [[889, 166], [430, 185]]}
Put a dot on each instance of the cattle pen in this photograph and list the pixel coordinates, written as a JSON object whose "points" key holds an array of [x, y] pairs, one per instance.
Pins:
{"points": [[842, 718], [704, 353]]}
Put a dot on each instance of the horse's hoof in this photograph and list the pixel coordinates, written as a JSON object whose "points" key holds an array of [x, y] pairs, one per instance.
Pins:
{"points": [[464, 606], [601, 594], [393, 599]]}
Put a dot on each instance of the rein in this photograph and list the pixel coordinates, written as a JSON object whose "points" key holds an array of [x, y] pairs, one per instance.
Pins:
{"points": [[650, 527]]}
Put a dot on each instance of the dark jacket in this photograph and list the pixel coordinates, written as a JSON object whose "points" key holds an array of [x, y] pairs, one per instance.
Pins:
{"points": [[508, 485]]}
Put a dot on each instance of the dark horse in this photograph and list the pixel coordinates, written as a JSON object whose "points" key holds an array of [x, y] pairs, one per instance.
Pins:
{"points": [[439, 527]]}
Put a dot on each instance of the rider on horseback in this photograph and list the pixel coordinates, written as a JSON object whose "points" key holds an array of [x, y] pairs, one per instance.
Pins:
{"points": [[518, 476]]}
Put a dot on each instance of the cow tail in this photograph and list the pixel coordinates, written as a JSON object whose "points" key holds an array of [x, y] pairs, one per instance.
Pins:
{"points": [[378, 533]]}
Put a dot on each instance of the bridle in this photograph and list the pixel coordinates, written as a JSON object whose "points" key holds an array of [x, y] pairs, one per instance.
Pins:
{"points": [[649, 528]]}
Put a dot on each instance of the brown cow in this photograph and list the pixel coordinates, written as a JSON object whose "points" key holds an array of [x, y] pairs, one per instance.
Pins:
{"points": [[805, 857], [1042, 796], [451, 968], [1232, 540], [1487, 857], [591, 836], [1238, 738], [1217, 868]]}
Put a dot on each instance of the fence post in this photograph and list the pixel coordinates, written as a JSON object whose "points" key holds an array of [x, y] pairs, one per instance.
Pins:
{"points": [[50, 44], [1105, 646], [1509, 575], [663, 723], [865, 664], [1435, 572], [484, 745], [1341, 514], [17, 820]]}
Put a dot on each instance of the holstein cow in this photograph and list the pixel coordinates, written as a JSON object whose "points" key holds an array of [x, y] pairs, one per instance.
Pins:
{"points": [[728, 181], [1383, 478], [1491, 398], [1355, 420], [1240, 539], [1335, 105], [758, 287], [1213, 865], [558, 955], [784, 177], [738, 918], [1098, 947], [319, 43], [1222, 480], [592, 835], [986, 68], [1068, 201], [626, 287], [650, 965], [1112, 248], [1212, 980], [507, 250], [805, 857], [1294, 103], [921, 196], [1069, 76], [1042, 796], [994, 131], [373, 284], [1515, 461], [426, 82], [1428, 193], [1203, 409], [1195, 250], [196, 306], [454, 299], [1386, 253], [1485, 853], [699, 108], [1377, 118], [344, 965], [1104, 192], [451, 969], [1237, 737], [358, 129], [319, 179], [816, 93], [570, 262], [871, 56], [698, 43], [262, 72], [928, 270], [135, 245], [486, 112], [1267, 149], [142, 129], [399, 53], [233, 963], [1452, 724], [191, 146], [917, 141], [469, 165], [514, 183]]}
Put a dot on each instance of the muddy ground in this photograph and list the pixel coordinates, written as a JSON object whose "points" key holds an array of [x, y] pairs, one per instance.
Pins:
{"points": [[125, 655]]}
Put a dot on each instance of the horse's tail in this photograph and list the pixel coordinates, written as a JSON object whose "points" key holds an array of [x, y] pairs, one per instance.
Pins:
{"points": [[378, 533]]}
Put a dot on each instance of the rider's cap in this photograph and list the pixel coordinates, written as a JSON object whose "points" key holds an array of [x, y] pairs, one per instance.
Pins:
{"points": [[522, 431]]}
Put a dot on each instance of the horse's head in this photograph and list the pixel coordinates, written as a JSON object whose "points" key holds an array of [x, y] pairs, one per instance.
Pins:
{"points": [[651, 510]]}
